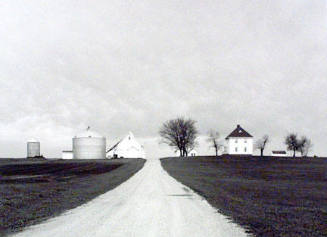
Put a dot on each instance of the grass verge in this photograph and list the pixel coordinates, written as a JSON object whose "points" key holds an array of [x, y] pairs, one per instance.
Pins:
{"points": [[268, 196], [34, 190]]}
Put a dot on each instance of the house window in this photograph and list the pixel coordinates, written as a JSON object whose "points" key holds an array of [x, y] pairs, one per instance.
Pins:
{"points": [[244, 149], [245, 141], [235, 149], [235, 140]]}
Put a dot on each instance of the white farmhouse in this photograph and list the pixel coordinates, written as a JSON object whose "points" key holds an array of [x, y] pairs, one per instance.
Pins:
{"points": [[127, 148], [239, 142]]}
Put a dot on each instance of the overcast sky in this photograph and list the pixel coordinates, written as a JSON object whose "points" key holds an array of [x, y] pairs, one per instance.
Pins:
{"points": [[122, 66]]}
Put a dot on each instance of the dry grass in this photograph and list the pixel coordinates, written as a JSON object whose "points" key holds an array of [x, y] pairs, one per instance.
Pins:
{"points": [[269, 197], [32, 191]]}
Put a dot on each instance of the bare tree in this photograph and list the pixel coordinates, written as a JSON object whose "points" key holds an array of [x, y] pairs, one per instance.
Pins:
{"points": [[304, 146], [213, 139], [292, 143], [180, 134], [261, 143]]}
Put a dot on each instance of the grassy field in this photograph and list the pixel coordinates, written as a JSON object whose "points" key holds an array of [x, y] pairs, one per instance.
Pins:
{"points": [[269, 197], [32, 191]]}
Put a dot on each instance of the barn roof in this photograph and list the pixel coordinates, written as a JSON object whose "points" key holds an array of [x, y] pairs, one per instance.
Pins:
{"points": [[114, 146], [239, 132]]}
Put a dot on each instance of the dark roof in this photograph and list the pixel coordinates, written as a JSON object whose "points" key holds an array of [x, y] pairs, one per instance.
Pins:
{"points": [[113, 147], [279, 152], [239, 132]]}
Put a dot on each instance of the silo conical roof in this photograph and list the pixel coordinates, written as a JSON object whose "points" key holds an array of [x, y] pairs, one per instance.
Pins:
{"points": [[32, 140], [88, 133]]}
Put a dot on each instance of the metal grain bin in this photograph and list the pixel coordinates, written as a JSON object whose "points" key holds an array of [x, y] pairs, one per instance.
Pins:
{"points": [[89, 145], [33, 148]]}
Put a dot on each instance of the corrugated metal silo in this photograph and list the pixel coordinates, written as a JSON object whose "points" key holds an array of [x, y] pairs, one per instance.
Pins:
{"points": [[33, 148], [89, 145]]}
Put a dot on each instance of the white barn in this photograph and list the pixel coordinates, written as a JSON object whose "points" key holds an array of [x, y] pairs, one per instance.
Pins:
{"points": [[127, 148], [239, 142]]}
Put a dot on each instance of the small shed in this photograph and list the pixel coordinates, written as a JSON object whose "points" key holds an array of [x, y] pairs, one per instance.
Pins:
{"points": [[193, 153], [278, 153], [67, 155]]}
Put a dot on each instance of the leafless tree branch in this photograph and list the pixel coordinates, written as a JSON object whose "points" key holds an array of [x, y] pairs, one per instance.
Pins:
{"points": [[180, 134]]}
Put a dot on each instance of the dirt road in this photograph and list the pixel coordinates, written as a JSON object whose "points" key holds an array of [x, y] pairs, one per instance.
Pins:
{"points": [[151, 203]]}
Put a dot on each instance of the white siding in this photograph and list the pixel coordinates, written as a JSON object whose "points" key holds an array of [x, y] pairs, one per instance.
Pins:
{"points": [[240, 145], [274, 154], [128, 148], [67, 155]]}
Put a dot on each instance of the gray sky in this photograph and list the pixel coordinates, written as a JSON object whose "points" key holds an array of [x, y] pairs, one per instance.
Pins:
{"points": [[131, 65]]}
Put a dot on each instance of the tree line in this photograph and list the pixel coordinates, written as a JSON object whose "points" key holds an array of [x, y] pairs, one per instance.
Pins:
{"points": [[181, 135]]}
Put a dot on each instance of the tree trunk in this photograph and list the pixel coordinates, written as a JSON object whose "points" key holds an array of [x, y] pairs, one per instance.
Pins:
{"points": [[216, 152], [183, 152], [294, 153], [261, 150]]}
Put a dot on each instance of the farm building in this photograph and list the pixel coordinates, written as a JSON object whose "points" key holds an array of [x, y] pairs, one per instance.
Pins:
{"points": [[278, 153], [89, 145], [239, 142], [33, 148], [67, 155], [128, 147], [193, 153]]}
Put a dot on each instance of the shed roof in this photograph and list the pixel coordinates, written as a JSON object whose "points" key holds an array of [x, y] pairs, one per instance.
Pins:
{"points": [[279, 152]]}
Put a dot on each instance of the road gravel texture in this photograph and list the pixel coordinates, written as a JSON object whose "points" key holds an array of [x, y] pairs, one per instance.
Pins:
{"points": [[150, 203]]}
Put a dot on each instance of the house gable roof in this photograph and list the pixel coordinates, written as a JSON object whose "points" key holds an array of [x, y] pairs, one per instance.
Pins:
{"points": [[239, 132]]}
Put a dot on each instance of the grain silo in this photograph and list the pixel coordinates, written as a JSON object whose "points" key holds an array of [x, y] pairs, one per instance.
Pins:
{"points": [[33, 148], [89, 145]]}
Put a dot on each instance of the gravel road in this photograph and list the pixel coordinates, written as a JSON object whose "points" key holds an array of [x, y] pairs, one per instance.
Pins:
{"points": [[150, 203]]}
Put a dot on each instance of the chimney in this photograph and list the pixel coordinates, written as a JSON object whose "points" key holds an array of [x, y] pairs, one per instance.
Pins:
{"points": [[238, 126]]}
